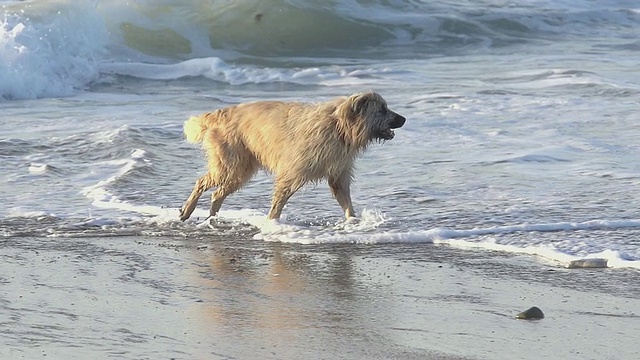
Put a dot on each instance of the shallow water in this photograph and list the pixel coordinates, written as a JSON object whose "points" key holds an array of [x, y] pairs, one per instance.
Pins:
{"points": [[521, 131], [521, 137]]}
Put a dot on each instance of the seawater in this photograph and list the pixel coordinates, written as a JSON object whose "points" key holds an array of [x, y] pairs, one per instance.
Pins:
{"points": [[522, 131]]}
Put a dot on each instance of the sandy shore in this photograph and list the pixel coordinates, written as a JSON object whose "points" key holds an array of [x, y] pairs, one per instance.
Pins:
{"points": [[193, 298]]}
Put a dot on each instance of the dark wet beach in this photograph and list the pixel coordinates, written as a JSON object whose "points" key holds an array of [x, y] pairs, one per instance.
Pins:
{"points": [[198, 298]]}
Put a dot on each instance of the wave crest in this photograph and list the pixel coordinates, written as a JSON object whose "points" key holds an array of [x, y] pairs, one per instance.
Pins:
{"points": [[53, 48], [50, 55]]}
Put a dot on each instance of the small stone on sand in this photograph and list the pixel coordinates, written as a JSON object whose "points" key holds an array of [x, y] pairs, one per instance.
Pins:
{"points": [[532, 313], [588, 263]]}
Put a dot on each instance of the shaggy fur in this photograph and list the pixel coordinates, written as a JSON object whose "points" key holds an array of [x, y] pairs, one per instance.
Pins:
{"points": [[297, 142]]}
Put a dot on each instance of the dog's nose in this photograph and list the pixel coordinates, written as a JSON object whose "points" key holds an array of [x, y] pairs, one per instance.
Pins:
{"points": [[397, 122]]}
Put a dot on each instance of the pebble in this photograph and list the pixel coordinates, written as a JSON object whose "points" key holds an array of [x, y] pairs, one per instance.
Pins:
{"points": [[588, 264], [533, 313]]}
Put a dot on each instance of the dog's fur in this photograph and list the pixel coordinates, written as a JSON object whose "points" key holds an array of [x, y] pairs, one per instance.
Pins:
{"points": [[297, 142]]}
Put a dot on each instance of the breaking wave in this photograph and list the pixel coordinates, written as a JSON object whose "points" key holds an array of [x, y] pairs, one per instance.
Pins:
{"points": [[57, 48]]}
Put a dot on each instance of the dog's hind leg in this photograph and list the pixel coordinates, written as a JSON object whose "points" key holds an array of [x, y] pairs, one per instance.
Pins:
{"points": [[203, 184], [237, 177], [340, 190], [218, 196]]}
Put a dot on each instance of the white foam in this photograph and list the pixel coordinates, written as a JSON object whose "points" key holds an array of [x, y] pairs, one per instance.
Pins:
{"points": [[107, 172], [50, 55], [216, 69], [360, 230], [463, 239], [546, 252], [38, 168], [366, 231], [18, 212]]}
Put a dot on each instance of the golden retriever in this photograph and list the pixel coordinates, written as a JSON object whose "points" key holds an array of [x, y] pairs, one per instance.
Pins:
{"points": [[297, 142]]}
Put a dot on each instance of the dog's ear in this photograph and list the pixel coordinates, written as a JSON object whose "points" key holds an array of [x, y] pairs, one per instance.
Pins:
{"points": [[354, 106], [360, 103], [350, 113]]}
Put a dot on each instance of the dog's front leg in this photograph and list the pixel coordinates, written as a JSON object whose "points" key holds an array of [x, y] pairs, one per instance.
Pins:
{"points": [[340, 190], [282, 192], [218, 196]]}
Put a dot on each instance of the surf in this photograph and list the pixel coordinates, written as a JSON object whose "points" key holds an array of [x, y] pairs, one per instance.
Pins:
{"points": [[115, 214], [61, 48]]}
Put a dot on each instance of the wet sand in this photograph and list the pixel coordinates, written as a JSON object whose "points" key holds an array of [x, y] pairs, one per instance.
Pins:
{"points": [[197, 298]]}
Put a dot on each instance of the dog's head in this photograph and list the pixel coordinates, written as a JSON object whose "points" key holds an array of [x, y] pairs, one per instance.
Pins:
{"points": [[367, 118]]}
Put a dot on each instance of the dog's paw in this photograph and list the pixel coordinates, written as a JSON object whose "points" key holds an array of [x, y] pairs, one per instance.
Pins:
{"points": [[352, 220], [183, 215], [186, 210]]}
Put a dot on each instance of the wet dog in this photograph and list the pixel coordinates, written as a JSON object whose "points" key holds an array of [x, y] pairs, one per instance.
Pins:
{"points": [[297, 142]]}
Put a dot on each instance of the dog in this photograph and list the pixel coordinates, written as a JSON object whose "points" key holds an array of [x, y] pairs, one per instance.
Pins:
{"points": [[296, 142]]}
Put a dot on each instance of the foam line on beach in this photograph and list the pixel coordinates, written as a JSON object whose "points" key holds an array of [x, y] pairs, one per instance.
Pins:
{"points": [[365, 232], [546, 252], [367, 229], [440, 234]]}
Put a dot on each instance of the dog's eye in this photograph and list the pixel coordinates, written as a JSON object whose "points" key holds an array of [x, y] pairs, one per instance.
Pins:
{"points": [[384, 111]]}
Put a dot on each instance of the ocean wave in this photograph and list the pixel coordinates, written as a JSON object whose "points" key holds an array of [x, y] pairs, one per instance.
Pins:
{"points": [[109, 172], [218, 70], [57, 48], [52, 50], [187, 29]]}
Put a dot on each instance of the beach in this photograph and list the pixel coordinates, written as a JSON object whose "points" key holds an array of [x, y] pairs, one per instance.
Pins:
{"points": [[192, 298]]}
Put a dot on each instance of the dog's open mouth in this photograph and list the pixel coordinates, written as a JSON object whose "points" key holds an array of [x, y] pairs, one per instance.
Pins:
{"points": [[386, 134]]}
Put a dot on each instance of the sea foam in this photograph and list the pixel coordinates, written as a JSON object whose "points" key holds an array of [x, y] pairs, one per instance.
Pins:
{"points": [[50, 55]]}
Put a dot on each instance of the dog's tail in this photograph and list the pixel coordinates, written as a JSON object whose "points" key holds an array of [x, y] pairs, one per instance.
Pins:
{"points": [[196, 127]]}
